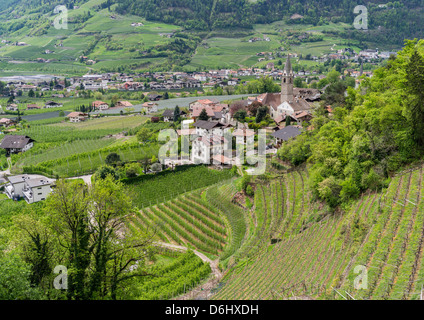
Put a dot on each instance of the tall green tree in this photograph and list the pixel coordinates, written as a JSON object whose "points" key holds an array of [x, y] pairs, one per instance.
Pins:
{"points": [[415, 89], [176, 114], [203, 115]]}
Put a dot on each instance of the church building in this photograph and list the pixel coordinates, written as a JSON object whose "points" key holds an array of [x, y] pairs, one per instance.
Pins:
{"points": [[291, 101]]}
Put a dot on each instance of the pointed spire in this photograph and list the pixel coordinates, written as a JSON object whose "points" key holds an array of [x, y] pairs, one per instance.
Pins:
{"points": [[288, 67]]}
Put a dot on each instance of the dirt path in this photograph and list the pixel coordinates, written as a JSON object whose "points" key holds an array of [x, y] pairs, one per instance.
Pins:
{"points": [[202, 291], [7, 171], [87, 179]]}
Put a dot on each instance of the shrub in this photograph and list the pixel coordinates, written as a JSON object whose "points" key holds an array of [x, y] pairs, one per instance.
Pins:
{"points": [[112, 158], [104, 171], [249, 191]]}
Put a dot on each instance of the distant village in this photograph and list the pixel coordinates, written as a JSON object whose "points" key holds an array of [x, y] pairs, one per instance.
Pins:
{"points": [[203, 80]]}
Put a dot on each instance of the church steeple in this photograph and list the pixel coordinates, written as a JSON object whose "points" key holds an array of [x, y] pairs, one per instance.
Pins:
{"points": [[287, 82]]}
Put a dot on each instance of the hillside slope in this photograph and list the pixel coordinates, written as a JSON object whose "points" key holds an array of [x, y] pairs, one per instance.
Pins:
{"points": [[320, 253], [187, 35]]}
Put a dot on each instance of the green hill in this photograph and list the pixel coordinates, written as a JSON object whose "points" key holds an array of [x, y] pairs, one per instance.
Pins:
{"points": [[187, 35]]}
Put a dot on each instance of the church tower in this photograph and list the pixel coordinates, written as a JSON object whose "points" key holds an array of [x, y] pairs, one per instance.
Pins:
{"points": [[287, 83]]}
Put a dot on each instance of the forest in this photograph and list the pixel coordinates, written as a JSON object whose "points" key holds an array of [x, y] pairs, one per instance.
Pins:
{"points": [[391, 23]]}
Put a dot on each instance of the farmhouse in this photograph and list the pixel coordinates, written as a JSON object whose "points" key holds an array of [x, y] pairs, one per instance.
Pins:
{"points": [[201, 104], [154, 97], [32, 107], [12, 107], [286, 134], [100, 105], [214, 112], [77, 117], [150, 107], [16, 144], [5, 122], [52, 104], [123, 104], [168, 115]]}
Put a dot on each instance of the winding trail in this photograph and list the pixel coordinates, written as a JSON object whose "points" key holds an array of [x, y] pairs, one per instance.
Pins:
{"points": [[7, 171], [202, 291]]}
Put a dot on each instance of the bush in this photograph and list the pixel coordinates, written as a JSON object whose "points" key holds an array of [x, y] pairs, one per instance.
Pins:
{"points": [[249, 191], [132, 170], [104, 171], [112, 158]]}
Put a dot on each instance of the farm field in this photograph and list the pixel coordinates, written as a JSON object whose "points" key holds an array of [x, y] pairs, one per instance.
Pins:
{"points": [[219, 52], [183, 273], [72, 149], [292, 249], [128, 41], [170, 185]]}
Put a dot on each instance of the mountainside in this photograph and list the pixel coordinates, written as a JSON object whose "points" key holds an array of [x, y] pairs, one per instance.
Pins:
{"points": [[191, 35], [394, 23]]}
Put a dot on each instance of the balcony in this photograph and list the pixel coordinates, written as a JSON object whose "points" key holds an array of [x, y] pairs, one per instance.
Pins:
{"points": [[28, 195], [10, 191]]}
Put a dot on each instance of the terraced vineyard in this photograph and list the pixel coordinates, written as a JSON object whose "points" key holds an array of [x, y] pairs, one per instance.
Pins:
{"points": [[295, 249], [186, 221], [288, 245], [174, 279]]}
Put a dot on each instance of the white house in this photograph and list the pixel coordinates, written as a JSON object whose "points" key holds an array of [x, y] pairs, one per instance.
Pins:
{"points": [[36, 190], [15, 186], [150, 107], [52, 104], [206, 147], [100, 105], [77, 117]]}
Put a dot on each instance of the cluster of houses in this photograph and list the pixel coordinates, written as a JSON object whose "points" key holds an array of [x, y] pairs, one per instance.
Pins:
{"points": [[209, 143], [368, 55], [31, 106], [166, 81]]}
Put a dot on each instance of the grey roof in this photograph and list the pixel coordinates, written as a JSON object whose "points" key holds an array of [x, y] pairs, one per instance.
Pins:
{"points": [[168, 113], [287, 133], [52, 103], [18, 179], [15, 142], [33, 183], [208, 125], [218, 115]]}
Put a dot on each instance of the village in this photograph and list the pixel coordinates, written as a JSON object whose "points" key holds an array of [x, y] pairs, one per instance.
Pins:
{"points": [[178, 81], [283, 115]]}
